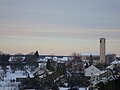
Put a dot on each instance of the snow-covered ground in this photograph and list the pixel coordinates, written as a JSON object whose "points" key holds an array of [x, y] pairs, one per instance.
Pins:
{"points": [[16, 74], [9, 85], [8, 88]]}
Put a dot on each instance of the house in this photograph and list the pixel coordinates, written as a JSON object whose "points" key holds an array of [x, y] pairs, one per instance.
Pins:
{"points": [[110, 58], [91, 70]]}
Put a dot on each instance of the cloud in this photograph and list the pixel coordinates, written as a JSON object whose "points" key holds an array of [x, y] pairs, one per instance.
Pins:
{"points": [[47, 31]]}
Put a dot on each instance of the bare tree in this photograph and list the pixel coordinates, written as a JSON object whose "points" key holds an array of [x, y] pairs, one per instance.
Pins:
{"points": [[76, 56]]}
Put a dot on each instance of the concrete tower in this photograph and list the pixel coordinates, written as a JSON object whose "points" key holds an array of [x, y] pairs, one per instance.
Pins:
{"points": [[102, 50]]}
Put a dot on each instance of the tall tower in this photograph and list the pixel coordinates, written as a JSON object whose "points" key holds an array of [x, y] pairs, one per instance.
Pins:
{"points": [[102, 50]]}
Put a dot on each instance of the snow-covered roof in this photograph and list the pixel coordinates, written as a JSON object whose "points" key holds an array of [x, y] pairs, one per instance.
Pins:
{"points": [[65, 58], [99, 73], [116, 62], [58, 59], [91, 70], [41, 64], [110, 67], [88, 54], [66, 88], [13, 58], [42, 60]]}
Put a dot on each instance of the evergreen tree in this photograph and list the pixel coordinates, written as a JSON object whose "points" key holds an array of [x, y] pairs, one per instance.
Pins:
{"points": [[36, 54], [49, 66], [5, 59]]}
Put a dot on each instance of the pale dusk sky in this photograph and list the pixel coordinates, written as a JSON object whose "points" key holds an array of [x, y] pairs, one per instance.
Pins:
{"points": [[59, 26]]}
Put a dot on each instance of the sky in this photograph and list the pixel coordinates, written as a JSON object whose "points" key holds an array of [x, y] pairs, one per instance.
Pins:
{"points": [[59, 26]]}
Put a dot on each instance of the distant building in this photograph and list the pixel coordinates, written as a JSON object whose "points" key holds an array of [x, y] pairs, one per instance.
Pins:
{"points": [[110, 58], [86, 58], [102, 50]]}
